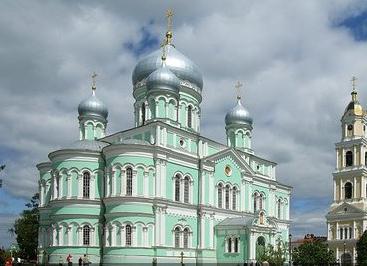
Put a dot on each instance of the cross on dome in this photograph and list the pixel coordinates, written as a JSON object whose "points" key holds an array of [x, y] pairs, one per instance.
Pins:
{"points": [[353, 80], [94, 87], [169, 16], [238, 86]]}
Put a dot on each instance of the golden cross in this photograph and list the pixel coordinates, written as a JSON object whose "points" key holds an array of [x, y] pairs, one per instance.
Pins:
{"points": [[169, 15], [94, 75], [164, 53], [238, 86], [353, 80]]}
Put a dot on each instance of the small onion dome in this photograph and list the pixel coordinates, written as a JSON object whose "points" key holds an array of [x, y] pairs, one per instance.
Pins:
{"points": [[238, 115], [93, 106], [178, 63], [354, 105], [163, 80]]}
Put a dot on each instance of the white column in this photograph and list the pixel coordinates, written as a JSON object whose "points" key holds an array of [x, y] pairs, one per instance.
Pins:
{"points": [[354, 255], [123, 236], [355, 163], [70, 235], [55, 187], [340, 189], [80, 236], [203, 187], [146, 184], [337, 230], [163, 178], [363, 187], [230, 199], [107, 234], [145, 236], [54, 236], [211, 232], [211, 188], [158, 178], [334, 182], [113, 182], [93, 236], [61, 186], [202, 230], [328, 231], [163, 227], [69, 179], [92, 194], [80, 186], [249, 194], [107, 178], [135, 183], [354, 230], [337, 253], [123, 182], [337, 159], [157, 226], [342, 158], [41, 194], [354, 188], [113, 236], [242, 195], [134, 238]]}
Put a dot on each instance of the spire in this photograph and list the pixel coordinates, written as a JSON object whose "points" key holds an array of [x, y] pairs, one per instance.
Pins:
{"points": [[169, 34], [238, 86], [354, 92], [94, 87]]}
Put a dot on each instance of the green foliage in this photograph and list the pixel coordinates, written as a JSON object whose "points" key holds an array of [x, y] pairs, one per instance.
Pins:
{"points": [[26, 229], [362, 249], [274, 256], [312, 253]]}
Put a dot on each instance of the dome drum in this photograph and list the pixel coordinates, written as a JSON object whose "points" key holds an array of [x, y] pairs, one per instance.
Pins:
{"points": [[239, 115]]}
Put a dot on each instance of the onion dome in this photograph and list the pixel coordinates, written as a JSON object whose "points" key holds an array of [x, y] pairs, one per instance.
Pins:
{"points": [[91, 145], [238, 115], [179, 64], [354, 106], [163, 80], [93, 106]]}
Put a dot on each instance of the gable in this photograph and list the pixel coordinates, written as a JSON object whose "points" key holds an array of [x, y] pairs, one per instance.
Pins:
{"points": [[345, 209]]}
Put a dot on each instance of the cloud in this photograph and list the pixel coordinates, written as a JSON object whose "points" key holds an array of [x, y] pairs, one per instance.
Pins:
{"points": [[294, 58]]}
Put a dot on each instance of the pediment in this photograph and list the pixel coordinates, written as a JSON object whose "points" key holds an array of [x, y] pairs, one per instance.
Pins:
{"points": [[235, 156], [345, 209]]}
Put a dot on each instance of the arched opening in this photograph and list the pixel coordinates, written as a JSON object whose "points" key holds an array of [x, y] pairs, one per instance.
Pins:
{"points": [[143, 113], [177, 237], [86, 235], [86, 185], [234, 198], [57, 185], [348, 158], [227, 197], [186, 189], [189, 116], [220, 191], [279, 208], [128, 235], [129, 181], [229, 244], [260, 247], [236, 245], [348, 190], [186, 238], [256, 195], [260, 201], [341, 233], [346, 259], [177, 188]]}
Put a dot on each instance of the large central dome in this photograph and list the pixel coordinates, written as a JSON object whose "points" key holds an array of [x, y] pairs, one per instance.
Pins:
{"points": [[179, 64]]}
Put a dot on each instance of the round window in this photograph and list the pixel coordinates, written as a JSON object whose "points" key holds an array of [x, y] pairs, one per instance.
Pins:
{"points": [[228, 170], [182, 142]]}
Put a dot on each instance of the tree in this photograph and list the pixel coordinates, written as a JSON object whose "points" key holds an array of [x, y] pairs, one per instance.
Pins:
{"points": [[26, 229], [274, 256], [362, 249], [312, 253]]}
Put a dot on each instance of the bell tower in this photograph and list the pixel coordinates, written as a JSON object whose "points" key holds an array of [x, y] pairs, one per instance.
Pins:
{"points": [[346, 218]]}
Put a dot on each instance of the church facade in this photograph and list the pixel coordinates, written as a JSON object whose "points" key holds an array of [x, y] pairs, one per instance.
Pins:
{"points": [[160, 192], [347, 219]]}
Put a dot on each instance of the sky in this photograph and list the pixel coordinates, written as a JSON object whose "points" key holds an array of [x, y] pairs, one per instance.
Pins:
{"points": [[295, 58]]}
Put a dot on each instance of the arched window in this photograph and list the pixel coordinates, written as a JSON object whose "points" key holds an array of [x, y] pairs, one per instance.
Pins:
{"points": [[255, 201], [189, 116], [177, 237], [220, 192], [348, 190], [143, 113], [186, 238], [227, 196], [86, 235], [236, 245], [177, 188], [341, 233], [57, 178], [346, 233], [365, 158], [229, 244], [186, 189], [128, 236], [350, 232], [234, 198], [86, 185], [260, 246], [279, 208], [129, 181], [348, 158]]}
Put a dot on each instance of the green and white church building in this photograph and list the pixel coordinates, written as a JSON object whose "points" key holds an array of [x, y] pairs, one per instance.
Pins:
{"points": [[160, 192]]}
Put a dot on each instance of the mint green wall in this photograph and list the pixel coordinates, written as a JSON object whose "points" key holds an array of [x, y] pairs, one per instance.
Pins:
{"points": [[173, 220], [225, 257]]}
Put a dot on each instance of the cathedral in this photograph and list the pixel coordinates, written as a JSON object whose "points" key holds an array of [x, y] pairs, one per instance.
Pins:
{"points": [[346, 220], [160, 192]]}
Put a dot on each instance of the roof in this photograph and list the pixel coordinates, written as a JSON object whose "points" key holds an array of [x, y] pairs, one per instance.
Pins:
{"points": [[237, 221]]}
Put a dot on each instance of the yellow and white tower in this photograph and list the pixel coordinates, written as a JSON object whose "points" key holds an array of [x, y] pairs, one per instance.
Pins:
{"points": [[347, 217]]}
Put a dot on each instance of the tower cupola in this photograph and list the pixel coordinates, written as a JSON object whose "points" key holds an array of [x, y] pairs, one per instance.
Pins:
{"points": [[93, 115], [239, 125]]}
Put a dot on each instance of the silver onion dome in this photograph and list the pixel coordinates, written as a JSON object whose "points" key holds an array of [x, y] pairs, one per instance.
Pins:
{"points": [[163, 79], [179, 64], [93, 106], [238, 115]]}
